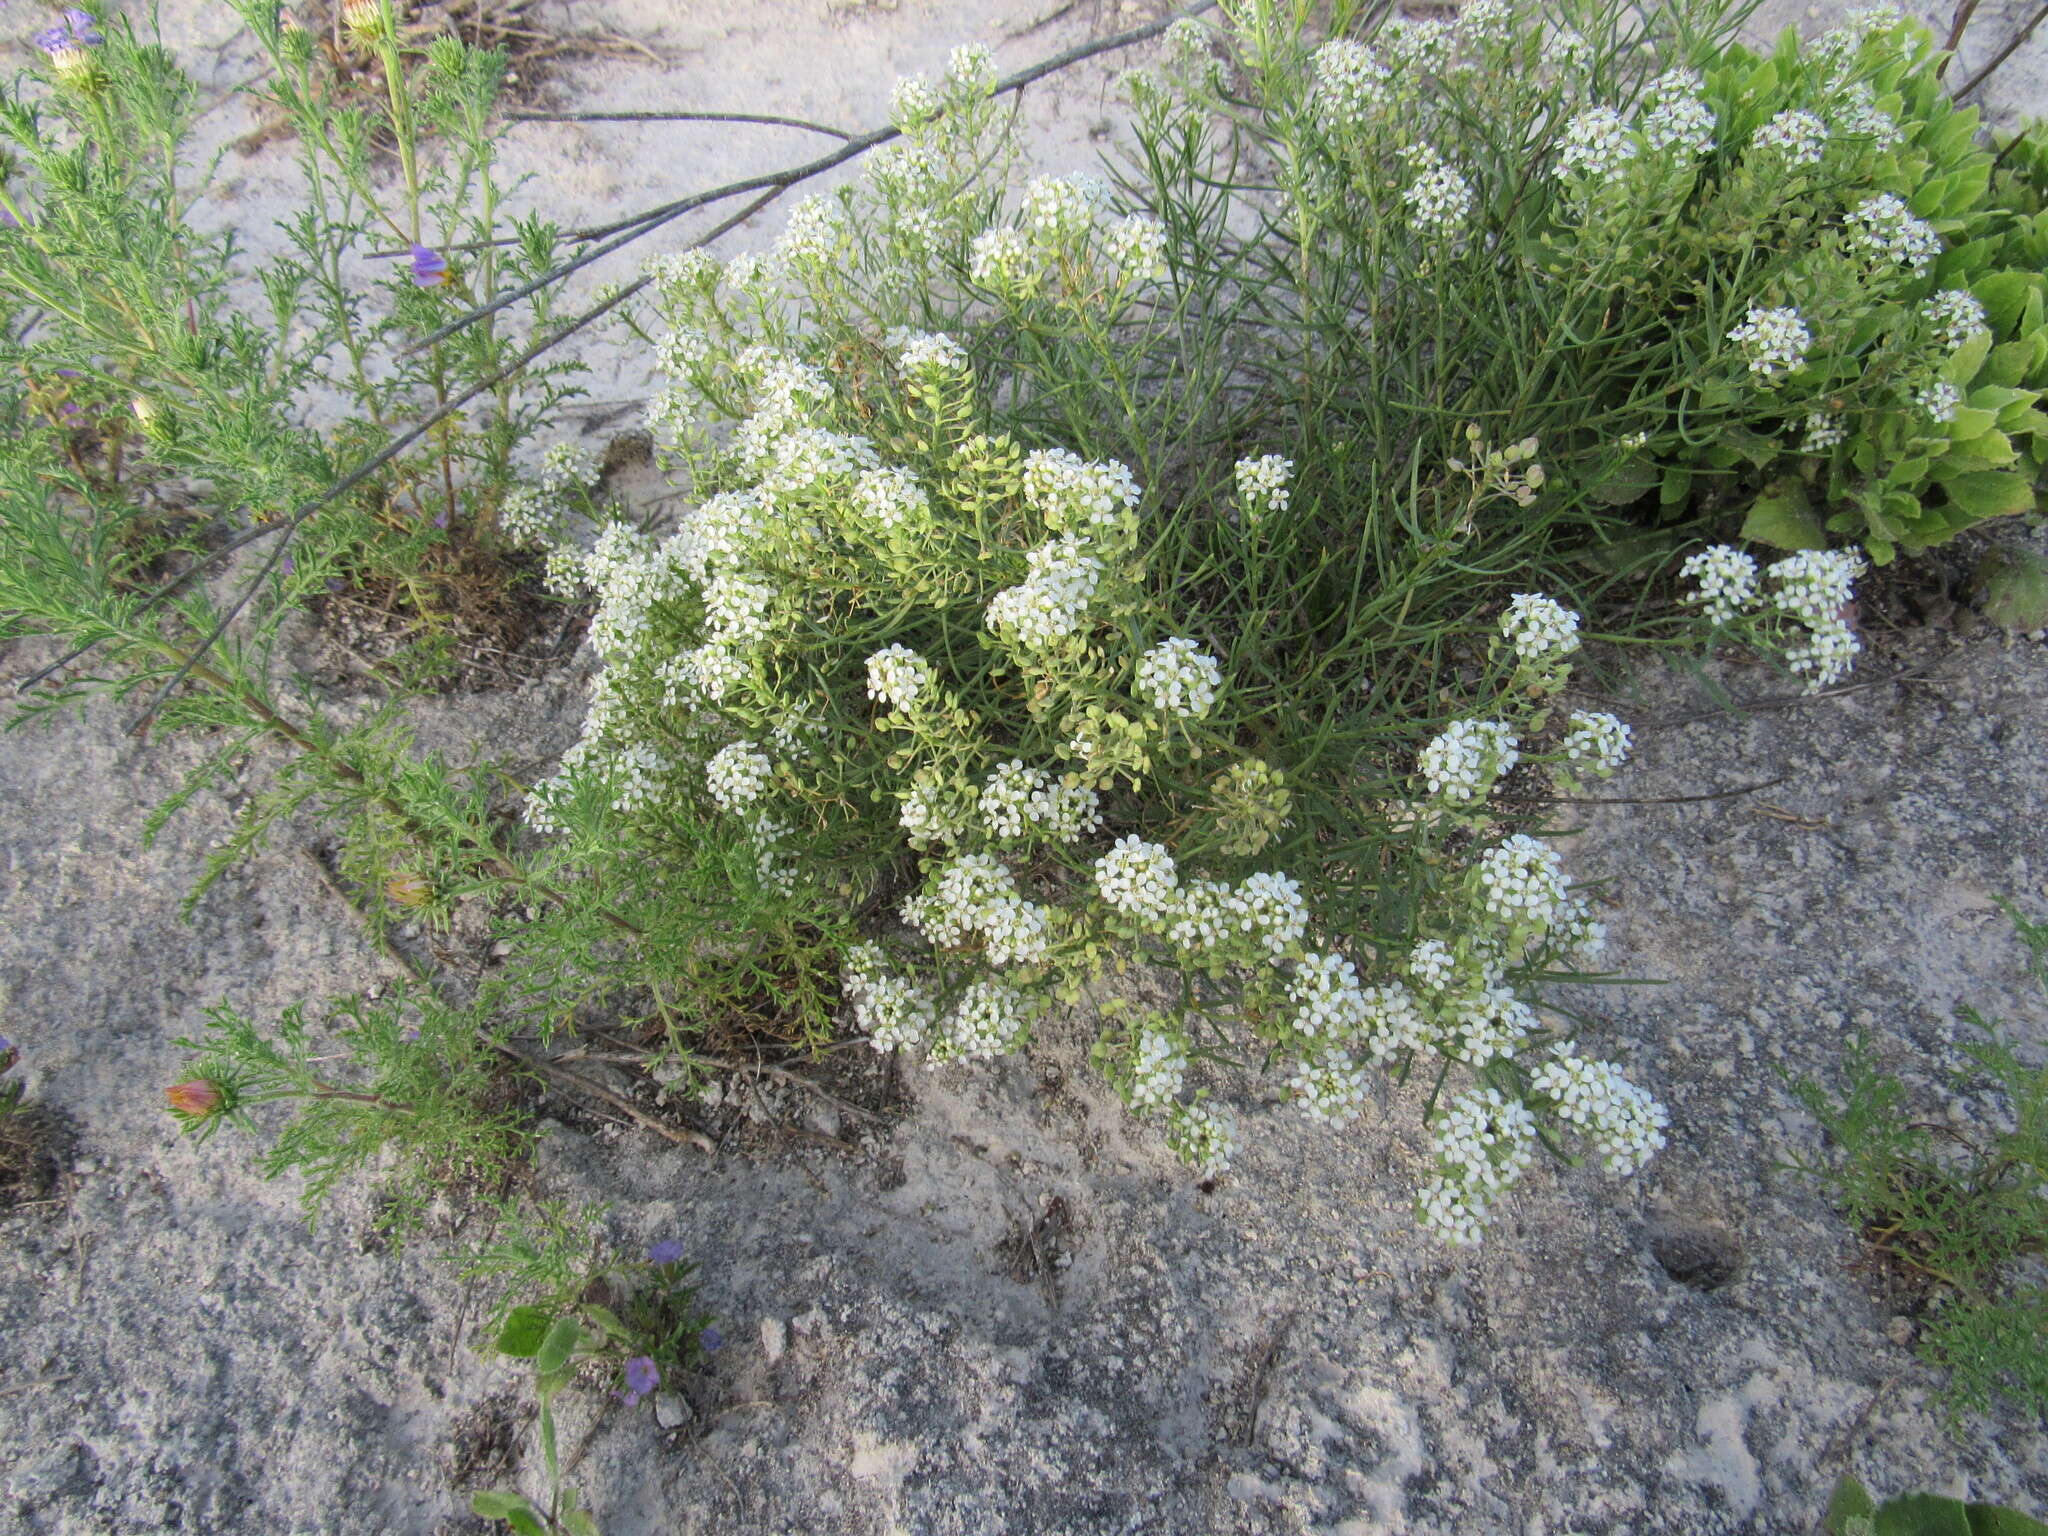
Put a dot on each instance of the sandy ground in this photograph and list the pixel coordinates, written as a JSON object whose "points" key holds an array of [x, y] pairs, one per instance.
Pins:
{"points": [[1012, 1313]]}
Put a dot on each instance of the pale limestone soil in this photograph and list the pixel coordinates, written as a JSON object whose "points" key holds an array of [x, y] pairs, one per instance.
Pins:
{"points": [[1285, 1354]]}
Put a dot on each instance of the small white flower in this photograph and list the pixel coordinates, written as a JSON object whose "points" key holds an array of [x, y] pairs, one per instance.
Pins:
{"points": [[920, 352], [1351, 84], [1329, 1089], [1053, 599], [1059, 209], [1884, 231], [1825, 432], [1453, 1211], [1539, 628], [1727, 581], [1462, 764], [991, 1019], [1159, 1065], [737, 774], [1273, 911], [1599, 740], [1522, 881], [1625, 1123], [1432, 965], [891, 497], [1178, 677], [1329, 1003], [1262, 484], [1000, 259], [1798, 137], [897, 674], [1137, 249], [1596, 144], [892, 1009], [1681, 120], [1138, 878], [1068, 490], [1776, 341], [1394, 1021], [1202, 1137], [1485, 1140], [1939, 401], [1008, 796], [1860, 118], [1439, 199], [1956, 317], [1814, 585]]}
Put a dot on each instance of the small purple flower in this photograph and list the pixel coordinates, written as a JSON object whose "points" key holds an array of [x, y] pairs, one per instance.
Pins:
{"points": [[641, 1379], [409, 1034], [287, 565], [76, 30], [8, 1054], [8, 220], [335, 584], [711, 1340], [429, 268], [667, 1251]]}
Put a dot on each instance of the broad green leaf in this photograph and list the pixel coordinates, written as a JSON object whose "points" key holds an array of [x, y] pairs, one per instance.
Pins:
{"points": [[1964, 362], [608, 1320], [1923, 1514], [1990, 1520], [1849, 1502], [1783, 520], [524, 1329], [1630, 480], [558, 1346], [526, 1523], [2012, 585], [1991, 493], [2004, 296], [497, 1506]]}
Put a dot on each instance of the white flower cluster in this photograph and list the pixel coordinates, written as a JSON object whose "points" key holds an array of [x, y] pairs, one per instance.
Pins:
{"points": [[1066, 489], [894, 1010], [1463, 762], [1439, 199], [897, 675], [1775, 339], [636, 771], [530, 516], [1681, 120], [1597, 145], [1539, 628], [1825, 432], [1484, 1144], [1138, 878], [681, 278], [1626, 1125], [1137, 249], [976, 895], [815, 236], [1726, 580], [1415, 47], [1058, 210], [1521, 881], [922, 352], [1178, 677], [737, 774], [1394, 1021], [1351, 84], [1328, 1000], [1159, 1066], [1800, 138], [1330, 1088], [1432, 964], [1815, 587], [991, 1018], [1053, 598], [1000, 259], [1883, 230], [1597, 739], [1009, 797], [1939, 401], [1262, 484], [1956, 317], [630, 576], [1204, 1138], [1861, 118], [890, 496]]}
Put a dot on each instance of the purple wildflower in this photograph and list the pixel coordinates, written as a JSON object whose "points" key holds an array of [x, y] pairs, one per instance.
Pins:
{"points": [[8, 220], [409, 1034], [76, 30], [641, 1378], [667, 1251], [711, 1340], [287, 565], [429, 267], [8, 1054]]}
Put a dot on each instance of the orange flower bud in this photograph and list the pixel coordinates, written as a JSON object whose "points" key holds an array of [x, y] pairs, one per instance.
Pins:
{"points": [[408, 890], [196, 1099]]}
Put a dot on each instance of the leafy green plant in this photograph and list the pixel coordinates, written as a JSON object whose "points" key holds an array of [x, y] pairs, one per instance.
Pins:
{"points": [[1957, 1207], [414, 1083], [630, 1321], [1853, 1512]]}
